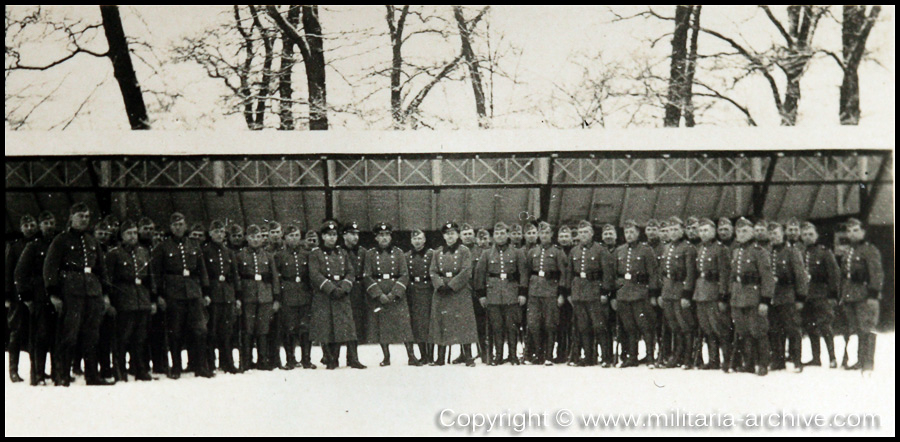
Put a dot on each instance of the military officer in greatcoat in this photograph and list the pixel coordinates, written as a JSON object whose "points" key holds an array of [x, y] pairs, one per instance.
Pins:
{"points": [[292, 262], [752, 287], [862, 279], [501, 282], [180, 279], [128, 277], [73, 272], [29, 283], [592, 281], [17, 313], [824, 283], [420, 294], [222, 270], [452, 314], [357, 254], [386, 279], [711, 293], [332, 275], [791, 288], [636, 276]]}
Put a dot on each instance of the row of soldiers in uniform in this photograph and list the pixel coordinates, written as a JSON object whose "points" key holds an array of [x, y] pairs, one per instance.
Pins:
{"points": [[744, 297]]}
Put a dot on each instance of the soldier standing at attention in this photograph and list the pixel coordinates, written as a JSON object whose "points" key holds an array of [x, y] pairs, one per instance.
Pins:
{"points": [[711, 294], [530, 230], [485, 347], [386, 278], [824, 282], [332, 275], [862, 278], [358, 299], [565, 333], [791, 289], [104, 231], [636, 276], [29, 281], [501, 284], [274, 243], [420, 294], [677, 274], [292, 263], [452, 316], [259, 293], [72, 274], [128, 276], [546, 264], [752, 288], [17, 312], [180, 280], [222, 270], [592, 279]]}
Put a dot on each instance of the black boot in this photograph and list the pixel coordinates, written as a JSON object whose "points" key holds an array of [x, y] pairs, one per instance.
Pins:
{"points": [[547, 348], [411, 355], [385, 349], [246, 354], [762, 353], [14, 367], [290, 353], [677, 349], [203, 368], [467, 355], [306, 354], [329, 357], [867, 352], [511, 342], [829, 346], [441, 356], [263, 354], [462, 354], [353, 357], [425, 352], [816, 346]]}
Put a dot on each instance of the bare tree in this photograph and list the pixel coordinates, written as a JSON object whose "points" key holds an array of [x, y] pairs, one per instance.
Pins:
{"points": [[677, 72], [310, 43], [855, 29], [285, 84], [465, 34], [117, 52]]}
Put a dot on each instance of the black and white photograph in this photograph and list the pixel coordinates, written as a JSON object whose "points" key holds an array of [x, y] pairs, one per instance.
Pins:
{"points": [[450, 220]]}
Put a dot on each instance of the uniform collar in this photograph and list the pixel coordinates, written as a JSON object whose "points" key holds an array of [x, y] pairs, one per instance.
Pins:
{"points": [[503, 247], [419, 252], [453, 248]]}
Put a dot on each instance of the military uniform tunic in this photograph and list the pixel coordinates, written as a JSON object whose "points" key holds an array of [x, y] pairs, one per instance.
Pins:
{"points": [[386, 273], [452, 313], [260, 287], [420, 292], [862, 278]]}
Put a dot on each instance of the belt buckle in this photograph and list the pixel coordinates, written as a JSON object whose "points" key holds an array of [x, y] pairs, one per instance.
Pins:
{"points": [[137, 281], [628, 276], [541, 273], [336, 278], [87, 270], [221, 278], [583, 275], [449, 274], [257, 277], [503, 276], [738, 279], [703, 275], [385, 276], [297, 279], [186, 272], [418, 279]]}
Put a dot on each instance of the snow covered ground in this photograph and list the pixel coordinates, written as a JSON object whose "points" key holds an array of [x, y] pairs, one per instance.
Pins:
{"points": [[410, 401]]}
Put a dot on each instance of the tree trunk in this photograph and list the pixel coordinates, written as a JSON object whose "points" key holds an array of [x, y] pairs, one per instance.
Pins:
{"points": [[472, 63], [315, 69], [285, 84], [123, 68], [677, 68], [791, 101], [854, 33], [690, 69]]}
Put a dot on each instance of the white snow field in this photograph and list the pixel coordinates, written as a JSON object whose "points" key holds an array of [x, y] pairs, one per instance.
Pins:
{"points": [[456, 400]]}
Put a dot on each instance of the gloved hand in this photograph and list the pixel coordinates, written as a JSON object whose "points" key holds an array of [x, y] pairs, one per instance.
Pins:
{"points": [[560, 300], [237, 305], [654, 301], [798, 305], [276, 306], [207, 301], [604, 299], [763, 309], [873, 304], [483, 302], [162, 304], [722, 307], [383, 299], [153, 309], [614, 305], [107, 306], [685, 303], [522, 300]]}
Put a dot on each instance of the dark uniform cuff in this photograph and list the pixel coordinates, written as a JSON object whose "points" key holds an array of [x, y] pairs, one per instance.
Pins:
{"points": [[873, 294], [480, 293], [686, 294], [766, 301], [523, 291], [564, 292]]}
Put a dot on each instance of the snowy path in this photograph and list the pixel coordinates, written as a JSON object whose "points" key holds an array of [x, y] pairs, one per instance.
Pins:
{"points": [[409, 400]]}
